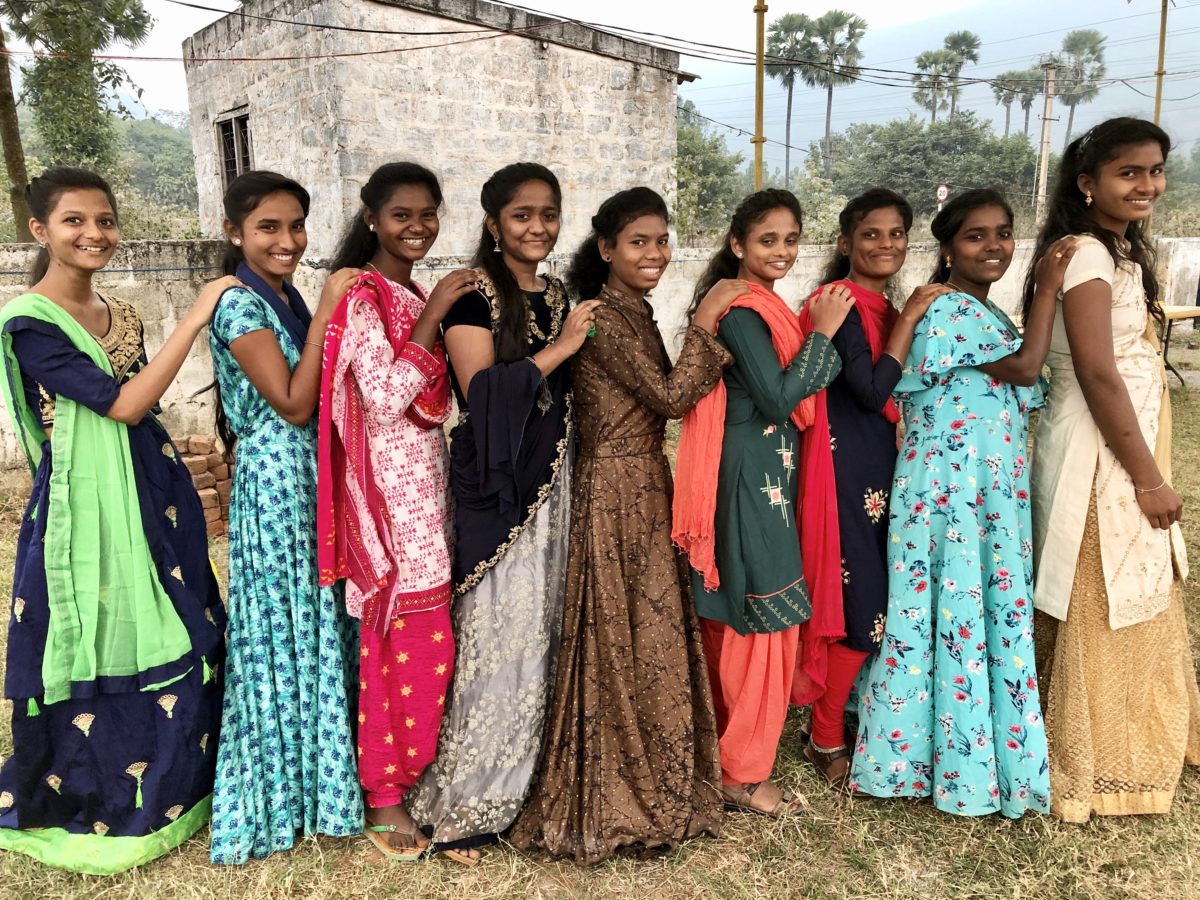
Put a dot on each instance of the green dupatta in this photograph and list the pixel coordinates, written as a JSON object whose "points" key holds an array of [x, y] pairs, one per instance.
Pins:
{"points": [[109, 613]]}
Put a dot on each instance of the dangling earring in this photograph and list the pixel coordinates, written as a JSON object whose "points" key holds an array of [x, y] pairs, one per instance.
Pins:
{"points": [[371, 226], [949, 262], [496, 238], [1087, 197]]}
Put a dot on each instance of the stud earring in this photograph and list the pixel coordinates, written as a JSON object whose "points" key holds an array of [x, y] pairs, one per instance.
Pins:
{"points": [[1087, 197], [738, 255], [372, 227], [237, 242], [606, 258]]}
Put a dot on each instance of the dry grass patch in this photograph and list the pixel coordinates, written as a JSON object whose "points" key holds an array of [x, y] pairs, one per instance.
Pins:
{"points": [[837, 848]]}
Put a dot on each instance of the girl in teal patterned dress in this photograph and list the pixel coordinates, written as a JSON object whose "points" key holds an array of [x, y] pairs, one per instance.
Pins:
{"points": [[950, 705], [286, 760]]}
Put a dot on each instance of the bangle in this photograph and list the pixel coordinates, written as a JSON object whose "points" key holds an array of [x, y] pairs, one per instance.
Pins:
{"points": [[315, 344], [1157, 487]]}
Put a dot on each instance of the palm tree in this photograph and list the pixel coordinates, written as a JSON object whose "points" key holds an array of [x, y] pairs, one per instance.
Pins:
{"points": [[934, 83], [1006, 88], [1032, 85], [965, 46], [1082, 61], [788, 40], [832, 58]]}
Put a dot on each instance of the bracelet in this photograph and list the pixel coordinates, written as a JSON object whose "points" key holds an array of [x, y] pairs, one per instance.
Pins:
{"points": [[315, 344], [1157, 487]]}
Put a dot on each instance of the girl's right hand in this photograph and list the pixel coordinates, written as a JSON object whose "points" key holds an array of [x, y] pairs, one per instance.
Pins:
{"points": [[830, 308], [210, 294], [1051, 269], [575, 329], [1162, 507], [921, 299], [336, 286]]}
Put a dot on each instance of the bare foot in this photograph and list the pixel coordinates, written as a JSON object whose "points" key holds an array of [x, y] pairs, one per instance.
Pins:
{"points": [[406, 836]]}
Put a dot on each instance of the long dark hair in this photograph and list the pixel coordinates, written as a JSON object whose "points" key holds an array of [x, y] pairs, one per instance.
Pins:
{"points": [[838, 265], [949, 221], [43, 193], [1068, 213], [360, 243], [751, 211], [242, 197], [589, 271], [511, 339]]}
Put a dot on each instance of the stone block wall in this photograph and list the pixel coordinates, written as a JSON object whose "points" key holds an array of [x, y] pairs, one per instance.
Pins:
{"points": [[597, 109], [212, 476]]}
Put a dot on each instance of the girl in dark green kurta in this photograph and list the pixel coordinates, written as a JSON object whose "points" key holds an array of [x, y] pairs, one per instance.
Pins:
{"points": [[745, 552]]}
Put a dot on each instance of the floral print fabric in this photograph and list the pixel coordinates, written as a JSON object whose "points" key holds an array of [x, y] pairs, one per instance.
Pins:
{"points": [[286, 760], [950, 707]]}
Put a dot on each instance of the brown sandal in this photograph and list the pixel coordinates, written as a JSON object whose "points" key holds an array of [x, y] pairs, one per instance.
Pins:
{"points": [[849, 733], [740, 799], [833, 764]]}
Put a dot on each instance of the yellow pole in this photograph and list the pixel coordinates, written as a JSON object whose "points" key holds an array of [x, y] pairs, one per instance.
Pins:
{"points": [[1162, 58], [760, 9]]}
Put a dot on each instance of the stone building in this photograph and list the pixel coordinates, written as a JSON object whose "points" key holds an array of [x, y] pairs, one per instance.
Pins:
{"points": [[463, 86]]}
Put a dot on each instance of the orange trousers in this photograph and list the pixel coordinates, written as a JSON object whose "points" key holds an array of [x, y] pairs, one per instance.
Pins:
{"points": [[751, 678]]}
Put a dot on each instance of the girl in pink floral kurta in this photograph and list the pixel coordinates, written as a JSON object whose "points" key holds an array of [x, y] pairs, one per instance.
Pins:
{"points": [[383, 520]]}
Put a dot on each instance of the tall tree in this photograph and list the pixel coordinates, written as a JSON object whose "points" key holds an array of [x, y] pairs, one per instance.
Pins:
{"points": [[70, 90], [1032, 86], [1082, 61], [1006, 88], [934, 80], [833, 55], [707, 175], [14, 150], [965, 47], [788, 42]]}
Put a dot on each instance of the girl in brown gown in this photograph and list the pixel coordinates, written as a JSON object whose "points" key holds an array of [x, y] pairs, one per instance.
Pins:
{"points": [[630, 758]]}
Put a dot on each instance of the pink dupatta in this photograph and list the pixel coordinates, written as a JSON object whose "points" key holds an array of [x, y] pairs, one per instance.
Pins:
{"points": [[354, 528]]}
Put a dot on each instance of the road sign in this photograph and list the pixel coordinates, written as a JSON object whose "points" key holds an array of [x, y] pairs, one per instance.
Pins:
{"points": [[943, 193]]}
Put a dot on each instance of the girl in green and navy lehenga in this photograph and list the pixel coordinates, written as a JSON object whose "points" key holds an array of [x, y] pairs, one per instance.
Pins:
{"points": [[116, 636]]}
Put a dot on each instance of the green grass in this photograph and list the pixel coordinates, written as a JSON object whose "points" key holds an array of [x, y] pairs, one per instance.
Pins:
{"points": [[837, 848]]}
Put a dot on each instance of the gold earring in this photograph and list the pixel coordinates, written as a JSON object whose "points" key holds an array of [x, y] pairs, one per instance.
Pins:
{"points": [[1087, 197], [949, 261]]}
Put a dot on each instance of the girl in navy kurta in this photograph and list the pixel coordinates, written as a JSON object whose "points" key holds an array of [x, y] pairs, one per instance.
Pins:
{"points": [[856, 437]]}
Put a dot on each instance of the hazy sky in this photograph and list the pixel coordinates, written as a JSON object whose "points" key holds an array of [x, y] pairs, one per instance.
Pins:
{"points": [[1014, 33]]}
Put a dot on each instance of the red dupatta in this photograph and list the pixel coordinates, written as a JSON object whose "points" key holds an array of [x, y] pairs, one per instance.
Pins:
{"points": [[820, 539], [694, 509], [353, 525]]}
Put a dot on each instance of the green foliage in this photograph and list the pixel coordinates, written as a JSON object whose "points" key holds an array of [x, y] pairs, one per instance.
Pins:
{"points": [[935, 80], [965, 47], [160, 162], [1081, 62], [912, 157], [71, 92], [708, 183]]}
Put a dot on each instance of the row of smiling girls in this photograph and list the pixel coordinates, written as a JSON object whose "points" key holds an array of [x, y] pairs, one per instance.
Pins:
{"points": [[439, 647]]}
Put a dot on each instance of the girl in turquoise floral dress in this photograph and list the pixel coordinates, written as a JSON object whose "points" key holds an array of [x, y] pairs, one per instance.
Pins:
{"points": [[286, 761], [950, 706]]}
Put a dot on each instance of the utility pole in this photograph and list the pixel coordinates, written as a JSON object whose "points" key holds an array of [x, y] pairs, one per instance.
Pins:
{"points": [[1051, 67], [1162, 58], [760, 11]]}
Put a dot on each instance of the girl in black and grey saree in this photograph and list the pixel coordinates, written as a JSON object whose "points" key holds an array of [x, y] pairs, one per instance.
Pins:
{"points": [[510, 477]]}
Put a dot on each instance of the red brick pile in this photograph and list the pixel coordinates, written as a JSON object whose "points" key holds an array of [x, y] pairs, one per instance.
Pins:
{"points": [[212, 477]]}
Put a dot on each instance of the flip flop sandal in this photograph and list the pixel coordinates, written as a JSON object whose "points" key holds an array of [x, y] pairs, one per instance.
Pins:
{"points": [[740, 800], [834, 765], [375, 834]]}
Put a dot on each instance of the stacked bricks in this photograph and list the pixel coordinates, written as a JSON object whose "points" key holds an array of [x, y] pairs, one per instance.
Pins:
{"points": [[213, 479]]}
